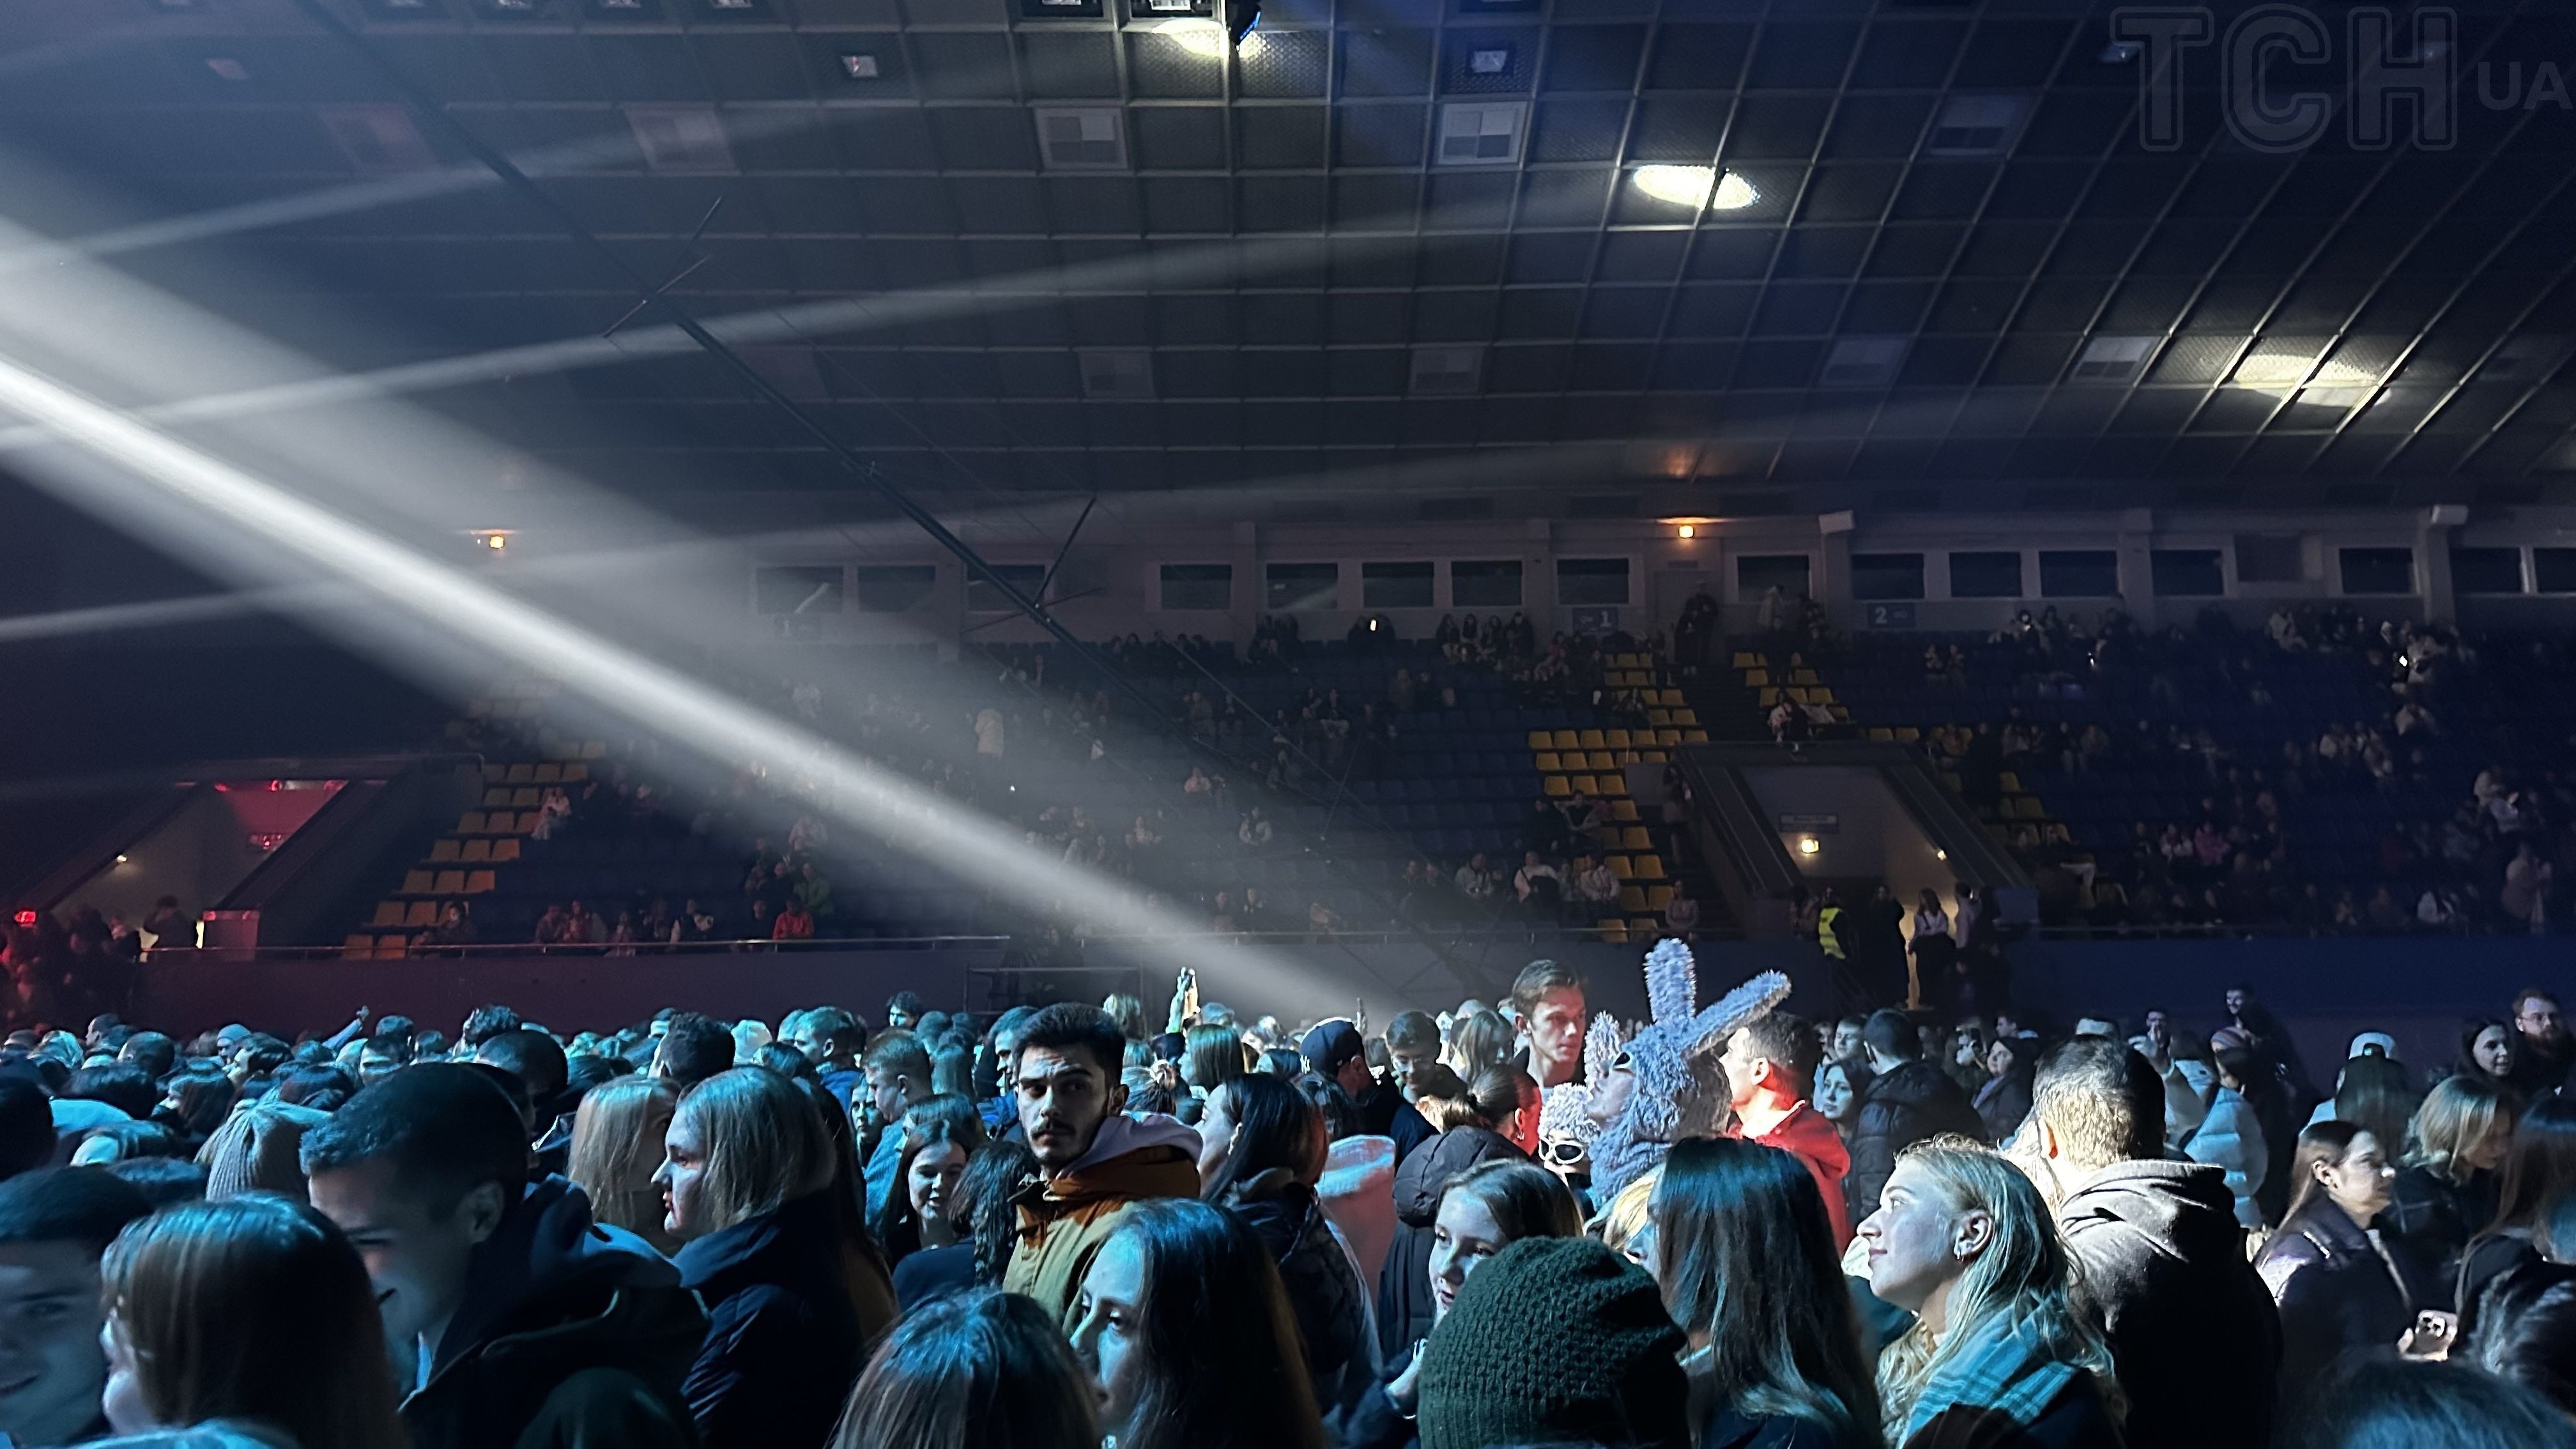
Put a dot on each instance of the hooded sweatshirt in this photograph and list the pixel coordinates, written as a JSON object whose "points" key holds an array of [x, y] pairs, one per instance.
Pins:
{"points": [[571, 1335], [1807, 1136], [1065, 1218], [2192, 1330]]}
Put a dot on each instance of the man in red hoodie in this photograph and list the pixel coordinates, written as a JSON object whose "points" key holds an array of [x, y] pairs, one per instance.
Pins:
{"points": [[1770, 1067]]}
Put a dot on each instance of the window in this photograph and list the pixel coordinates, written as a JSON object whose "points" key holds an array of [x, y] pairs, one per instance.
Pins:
{"points": [[1887, 575], [2486, 570], [1304, 585], [2553, 570], [2378, 570], [983, 598], [796, 589], [2187, 573], [1198, 586], [1485, 584], [1395, 585], [2078, 573], [1591, 581], [2269, 558], [1757, 574], [892, 588], [1985, 576]]}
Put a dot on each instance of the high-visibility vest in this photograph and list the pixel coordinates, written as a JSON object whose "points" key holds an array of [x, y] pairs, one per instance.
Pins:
{"points": [[1825, 936]]}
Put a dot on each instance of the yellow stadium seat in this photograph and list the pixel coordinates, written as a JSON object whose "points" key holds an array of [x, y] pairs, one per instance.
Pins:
{"points": [[1650, 867], [594, 749], [1806, 676], [1555, 787], [522, 773], [1613, 931], [1632, 900], [470, 823], [418, 883], [1600, 760], [1686, 717], [445, 850], [1541, 740], [1881, 734], [1658, 897], [1549, 762], [1745, 660], [1623, 810], [1592, 740], [1668, 737], [1907, 734], [528, 797], [357, 948], [1613, 783], [574, 774], [1619, 866], [1659, 717], [497, 796], [495, 774], [388, 913], [1694, 737], [1586, 785], [422, 913], [1618, 738], [1652, 757], [392, 948], [527, 824], [1568, 740], [1768, 696], [1634, 837], [1672, 697], [1644, 928], [503, 850], [479, 882], [2008, 783], [549, 773], [475, 850]]}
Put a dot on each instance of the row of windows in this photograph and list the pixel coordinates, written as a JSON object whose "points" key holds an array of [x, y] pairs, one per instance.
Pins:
{"points": [[2077, 573]]}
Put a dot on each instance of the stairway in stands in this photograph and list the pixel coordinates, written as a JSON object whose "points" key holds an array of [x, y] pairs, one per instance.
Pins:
{"points": [[1728, 707]]}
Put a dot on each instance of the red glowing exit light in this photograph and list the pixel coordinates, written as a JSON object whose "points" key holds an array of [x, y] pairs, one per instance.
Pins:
{"points": [[26, 918]]}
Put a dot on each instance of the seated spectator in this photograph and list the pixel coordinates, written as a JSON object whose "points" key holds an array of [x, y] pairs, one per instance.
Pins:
{"points": [[1188, 1334], [1998, 1347], [251, 1318], [976, 1368]]}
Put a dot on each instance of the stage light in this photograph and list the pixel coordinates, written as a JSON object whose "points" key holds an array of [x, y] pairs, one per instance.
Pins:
{"points": [[120, 860], [1809, 845], [26, 918]]}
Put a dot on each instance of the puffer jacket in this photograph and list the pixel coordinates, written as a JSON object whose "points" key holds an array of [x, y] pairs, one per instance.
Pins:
{"points": [[2341, 1292], [2231, 1139], [1404, 1287], [1324, 1290], [1065, 1218], [1903, 1106]]}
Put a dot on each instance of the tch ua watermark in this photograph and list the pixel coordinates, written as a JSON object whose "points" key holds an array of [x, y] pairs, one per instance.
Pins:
{"points": [[2285, 74]]}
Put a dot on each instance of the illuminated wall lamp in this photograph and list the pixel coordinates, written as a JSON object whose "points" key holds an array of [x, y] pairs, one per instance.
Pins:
{"points": [[1809, 845]]}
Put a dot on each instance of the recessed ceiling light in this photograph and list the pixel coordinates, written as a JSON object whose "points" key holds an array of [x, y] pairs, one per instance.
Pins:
{"points": [[858, 66], [1494, 61], [1696, 187], [2119, 52], [227, 67]]}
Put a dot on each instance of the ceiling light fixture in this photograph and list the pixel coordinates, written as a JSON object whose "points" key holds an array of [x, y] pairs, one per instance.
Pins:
{"points": [[1696, 187], [1809, 845], [1688, 531]]}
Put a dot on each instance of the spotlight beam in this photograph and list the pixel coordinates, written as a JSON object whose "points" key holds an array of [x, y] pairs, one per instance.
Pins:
{"points": [[618, 680]]}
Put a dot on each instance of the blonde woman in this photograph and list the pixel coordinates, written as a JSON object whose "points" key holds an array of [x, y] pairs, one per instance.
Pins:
{"points": [[1999, 1347], [616, 1143], [2447, 1190]]}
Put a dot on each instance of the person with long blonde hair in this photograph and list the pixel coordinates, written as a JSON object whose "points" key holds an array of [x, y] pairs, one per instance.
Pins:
{"points": [[252, 1317], [616, 1145], [2000, 1342], [2447, 1190]]}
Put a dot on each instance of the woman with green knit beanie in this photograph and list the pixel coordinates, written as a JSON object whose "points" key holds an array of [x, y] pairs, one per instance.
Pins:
{"points": [[2001, 1350]]}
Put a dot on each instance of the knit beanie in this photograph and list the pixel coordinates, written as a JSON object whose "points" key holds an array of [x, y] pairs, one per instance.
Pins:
{"points": [[256, 1150], [1554, 1341]]}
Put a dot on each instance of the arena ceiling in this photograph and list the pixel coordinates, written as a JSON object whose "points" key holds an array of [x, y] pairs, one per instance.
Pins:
{"points": [[1888, 255]]}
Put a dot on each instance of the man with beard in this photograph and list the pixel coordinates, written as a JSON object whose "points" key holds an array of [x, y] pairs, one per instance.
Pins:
{"points": [[1093, 1160], [2540, 1047]]}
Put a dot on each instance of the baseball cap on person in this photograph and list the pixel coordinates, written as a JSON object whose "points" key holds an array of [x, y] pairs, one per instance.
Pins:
{"points": [[1329, 1045], [2370, 1041]]}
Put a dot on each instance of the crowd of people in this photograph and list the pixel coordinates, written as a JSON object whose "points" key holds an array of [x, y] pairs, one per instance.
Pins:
{"points": [[1505, 1224]]}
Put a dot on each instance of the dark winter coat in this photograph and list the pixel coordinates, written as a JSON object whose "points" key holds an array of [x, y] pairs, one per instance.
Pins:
{"points": [[2435, 1218], [2193, 1333], [1903, 1106], [1324, 1290], [571, 1336], [1404, 1285], [784, 1337], [2339, 1290]]}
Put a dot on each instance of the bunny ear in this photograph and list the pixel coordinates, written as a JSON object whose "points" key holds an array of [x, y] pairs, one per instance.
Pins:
{"points": [[1672, 983], [1735, 1009], [1601, 1047]]}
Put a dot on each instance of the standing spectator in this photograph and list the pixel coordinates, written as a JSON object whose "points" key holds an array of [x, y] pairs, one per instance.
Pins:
{"points": [[693, 1049], [898, 1077], [1549, 1001], [747, 1172], [55, 1224], [1272, 1158], [1335, 1051], [2232, 1138], [1748, 1265], [939, 1138], [2339, 1289], [1909, 1099], [1599, 1366], [1999, 1351], [1095, 1160], [2533, 1196], [616, 1145], [1189, 1338], [1769, 1070], [2541, 1051], [252, 1316], [1469, 1138], [2192, 1330], [970, 1370], [830, 1038], [427, 1173], [2004, 1098], [2447, 1190]]}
